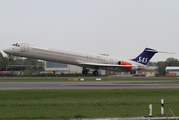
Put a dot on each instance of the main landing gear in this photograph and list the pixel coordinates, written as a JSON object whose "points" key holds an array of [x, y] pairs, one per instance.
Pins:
{"points": [[85, 72], [95, 73]]}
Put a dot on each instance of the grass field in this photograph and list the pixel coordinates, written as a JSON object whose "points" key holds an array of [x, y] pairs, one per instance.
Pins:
{"points": [[62, 79], [44, 104]]}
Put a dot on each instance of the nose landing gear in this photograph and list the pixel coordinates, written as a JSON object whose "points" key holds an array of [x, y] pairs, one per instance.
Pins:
{"points": [[10, 58]]}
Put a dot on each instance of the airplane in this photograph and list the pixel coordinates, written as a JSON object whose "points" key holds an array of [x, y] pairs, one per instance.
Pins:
{"points": [[85, 60]]}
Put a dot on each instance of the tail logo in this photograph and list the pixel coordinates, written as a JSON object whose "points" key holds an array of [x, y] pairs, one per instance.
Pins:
{"points": [[145, 56], [142, 60]]}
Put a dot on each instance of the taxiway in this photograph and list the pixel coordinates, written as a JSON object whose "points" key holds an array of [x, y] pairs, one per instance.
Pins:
{"points": [[82, 85]]}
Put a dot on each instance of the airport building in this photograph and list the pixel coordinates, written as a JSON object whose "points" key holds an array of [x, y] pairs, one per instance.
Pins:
{"points": [[61, 68], [151, 71], [172, 70]]}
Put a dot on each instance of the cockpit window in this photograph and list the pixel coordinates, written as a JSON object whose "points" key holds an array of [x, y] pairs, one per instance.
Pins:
{"points": [[16, 45]]}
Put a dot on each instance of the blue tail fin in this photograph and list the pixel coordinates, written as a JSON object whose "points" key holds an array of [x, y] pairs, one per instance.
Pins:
{"points": [[145, 56]]}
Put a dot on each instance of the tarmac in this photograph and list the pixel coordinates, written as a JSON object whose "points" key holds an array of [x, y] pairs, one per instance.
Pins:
{"points": [[84, 85]]}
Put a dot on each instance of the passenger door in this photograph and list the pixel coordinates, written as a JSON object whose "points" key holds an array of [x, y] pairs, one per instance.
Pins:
{"points": [[22, 47]]}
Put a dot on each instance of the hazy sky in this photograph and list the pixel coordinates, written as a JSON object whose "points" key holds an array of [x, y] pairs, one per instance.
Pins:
{"points": [[121, 28]]}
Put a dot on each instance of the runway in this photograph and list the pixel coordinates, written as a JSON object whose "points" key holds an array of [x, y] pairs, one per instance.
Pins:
{"points": [[82, 85]]}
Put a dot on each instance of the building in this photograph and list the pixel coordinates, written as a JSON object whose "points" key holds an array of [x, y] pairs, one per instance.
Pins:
{"points": [[151, 71], [172, 70], [61, 68]]}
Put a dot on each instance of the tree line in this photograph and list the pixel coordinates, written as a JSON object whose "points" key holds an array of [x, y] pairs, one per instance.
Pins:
{"points": [[163, 64], [32, 64], [4, 61]]}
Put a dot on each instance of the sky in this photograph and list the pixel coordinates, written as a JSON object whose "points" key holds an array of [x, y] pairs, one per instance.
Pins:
{"points": [[120, 28]]}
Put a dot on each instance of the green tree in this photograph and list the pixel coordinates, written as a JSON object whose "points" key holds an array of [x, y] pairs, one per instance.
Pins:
{"points": [[28, 62], [151, 64], [161, 67], [33, 62], [163, 64], [39, 64], [172, 62], [3, 61], [17, 61]]}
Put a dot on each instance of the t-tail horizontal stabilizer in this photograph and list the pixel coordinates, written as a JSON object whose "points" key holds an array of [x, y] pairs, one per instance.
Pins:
{"points": [[146, 55]]}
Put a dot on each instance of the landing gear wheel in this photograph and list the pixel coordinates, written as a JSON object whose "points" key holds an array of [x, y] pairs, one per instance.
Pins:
{"points": [[10, 59], [85, 72], [95, 73]]}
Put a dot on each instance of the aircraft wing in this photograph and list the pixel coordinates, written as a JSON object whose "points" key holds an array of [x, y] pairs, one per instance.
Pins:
{"points": [[102, 65]]}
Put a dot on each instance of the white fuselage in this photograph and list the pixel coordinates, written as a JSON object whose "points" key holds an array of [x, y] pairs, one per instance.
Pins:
{"points": [[68, 56]]}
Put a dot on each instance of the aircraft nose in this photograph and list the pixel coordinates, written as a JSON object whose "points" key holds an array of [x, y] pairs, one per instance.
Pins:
{"points": [[7, 50]]}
